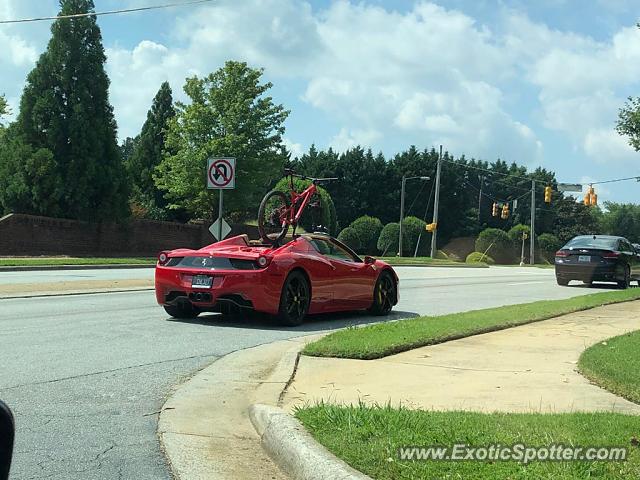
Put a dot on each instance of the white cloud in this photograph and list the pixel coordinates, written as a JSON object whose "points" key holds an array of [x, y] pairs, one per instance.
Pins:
{"points": [[296, 149], [346, 139]]}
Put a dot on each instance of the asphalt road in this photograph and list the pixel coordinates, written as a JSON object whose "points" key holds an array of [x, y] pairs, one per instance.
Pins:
{"points": [[86, 375]]}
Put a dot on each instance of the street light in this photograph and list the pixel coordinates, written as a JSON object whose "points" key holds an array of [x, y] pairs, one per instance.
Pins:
{"points": [[404, 181]]}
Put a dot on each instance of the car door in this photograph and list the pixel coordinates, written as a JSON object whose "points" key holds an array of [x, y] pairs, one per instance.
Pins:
{"points": [[356, 286]]}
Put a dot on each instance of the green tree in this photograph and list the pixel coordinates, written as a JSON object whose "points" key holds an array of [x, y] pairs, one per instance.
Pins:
{"points": [[629, 122], [4, 108], [28, 183], [622, 219], [388, 240], [147, 154], [574, 218], [65, 109], [229, 115]]}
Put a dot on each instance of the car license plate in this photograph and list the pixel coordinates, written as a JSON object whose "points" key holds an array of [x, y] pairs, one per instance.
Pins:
{"points": [[584, 258], [201, 281]]}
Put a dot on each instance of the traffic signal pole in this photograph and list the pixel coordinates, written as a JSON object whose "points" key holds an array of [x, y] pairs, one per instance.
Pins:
{"points": [[532, 253], [436, 202]]}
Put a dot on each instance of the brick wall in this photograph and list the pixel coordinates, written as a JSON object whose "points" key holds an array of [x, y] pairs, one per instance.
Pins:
{"points": [[32, 235]]}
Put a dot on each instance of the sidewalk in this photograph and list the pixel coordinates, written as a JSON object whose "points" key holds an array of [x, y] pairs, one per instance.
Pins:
{"points": [[531, 368]]}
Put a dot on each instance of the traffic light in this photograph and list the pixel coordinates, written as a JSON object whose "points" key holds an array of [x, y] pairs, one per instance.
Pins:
{"points": [[494, 212], [547, 194], [505, 211], [431, 227], [591, 198]]}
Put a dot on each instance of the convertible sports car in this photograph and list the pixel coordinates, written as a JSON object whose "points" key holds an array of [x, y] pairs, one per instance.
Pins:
{"points": [[313, 273]]}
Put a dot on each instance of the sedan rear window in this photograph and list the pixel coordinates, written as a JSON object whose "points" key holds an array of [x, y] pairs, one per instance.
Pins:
{"points": [[590, 242]]}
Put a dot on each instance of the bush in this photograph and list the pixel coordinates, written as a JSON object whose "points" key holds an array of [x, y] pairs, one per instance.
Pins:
{"points": [[548, 244], [350, 237], [477, 257], [498, 244], [367, 229], [388, 239], [326, 216], [412, 228]]}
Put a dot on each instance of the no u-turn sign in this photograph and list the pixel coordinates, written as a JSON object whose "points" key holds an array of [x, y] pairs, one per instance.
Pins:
{"points": [[221, 173]]}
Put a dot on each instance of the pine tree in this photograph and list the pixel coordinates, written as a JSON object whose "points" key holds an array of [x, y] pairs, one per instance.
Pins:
{"points": [[147, 154], [65, 109]]}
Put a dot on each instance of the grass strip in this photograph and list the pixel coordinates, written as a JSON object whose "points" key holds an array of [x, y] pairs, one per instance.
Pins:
{"points": [[436, 262], [24, 262], [368, 439], [383, 339], [614, 365]]}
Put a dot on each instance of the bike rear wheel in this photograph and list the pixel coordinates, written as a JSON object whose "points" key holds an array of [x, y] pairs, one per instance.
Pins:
{"points": [[273, 222]]}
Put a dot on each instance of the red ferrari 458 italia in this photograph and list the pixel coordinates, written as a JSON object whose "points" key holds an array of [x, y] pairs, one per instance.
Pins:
{"points": [[310, 274]]}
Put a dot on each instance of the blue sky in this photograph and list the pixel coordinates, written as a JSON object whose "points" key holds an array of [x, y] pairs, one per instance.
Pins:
{"points": [[539, 83]]}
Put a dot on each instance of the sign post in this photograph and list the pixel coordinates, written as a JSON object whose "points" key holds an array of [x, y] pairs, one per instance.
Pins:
{"points": [[221, 175]]}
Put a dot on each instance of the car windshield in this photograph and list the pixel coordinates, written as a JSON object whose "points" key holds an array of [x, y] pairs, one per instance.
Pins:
{"points": [[590, 242]]}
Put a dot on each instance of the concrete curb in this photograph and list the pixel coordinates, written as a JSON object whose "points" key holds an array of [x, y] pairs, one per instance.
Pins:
{"points": [[294, 450], [77, 292], [204, 426], [36, 268]]}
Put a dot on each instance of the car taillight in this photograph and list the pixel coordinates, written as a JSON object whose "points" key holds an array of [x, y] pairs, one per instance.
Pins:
{"points": [[263, 261], [163, 258], [611, 255], [562, 253]]}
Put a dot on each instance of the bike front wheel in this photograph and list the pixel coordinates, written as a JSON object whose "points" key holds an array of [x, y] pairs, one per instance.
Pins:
{"points": [[273, 217]]}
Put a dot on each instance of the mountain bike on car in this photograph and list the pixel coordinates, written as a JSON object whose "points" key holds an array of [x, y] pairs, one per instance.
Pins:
{"points": [[278, 211]]}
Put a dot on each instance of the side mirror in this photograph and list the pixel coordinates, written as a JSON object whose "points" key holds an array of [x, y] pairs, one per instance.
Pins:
{"points": [[7, 433], [368, 260]]}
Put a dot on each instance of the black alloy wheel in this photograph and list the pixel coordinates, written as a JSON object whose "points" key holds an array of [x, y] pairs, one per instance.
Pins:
{"points": [[294, 300], [384, 294]]}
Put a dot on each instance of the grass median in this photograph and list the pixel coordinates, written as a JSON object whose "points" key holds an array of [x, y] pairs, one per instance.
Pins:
{"points": [[381, 340], [615, 365], [369, 439], [433, 262], [58, 261]]}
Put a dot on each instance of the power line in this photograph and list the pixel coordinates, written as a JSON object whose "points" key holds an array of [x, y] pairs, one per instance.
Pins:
{"points": [[613, 181], [109, 12]]}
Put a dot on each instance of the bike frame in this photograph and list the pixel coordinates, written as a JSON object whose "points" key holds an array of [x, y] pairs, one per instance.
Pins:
{"points": [[294, 213]]}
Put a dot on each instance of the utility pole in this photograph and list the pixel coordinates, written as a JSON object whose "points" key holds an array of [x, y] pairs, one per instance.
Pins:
{"points": [[481, 177], [404, 181], [436, 202], [532, 245]]}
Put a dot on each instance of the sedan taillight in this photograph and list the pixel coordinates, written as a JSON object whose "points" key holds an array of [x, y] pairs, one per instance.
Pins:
{"points": [[562, 253], [611, 255]]}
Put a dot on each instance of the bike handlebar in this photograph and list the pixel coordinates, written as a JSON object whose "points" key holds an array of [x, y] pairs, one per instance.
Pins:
{"points": [[291, 173]]}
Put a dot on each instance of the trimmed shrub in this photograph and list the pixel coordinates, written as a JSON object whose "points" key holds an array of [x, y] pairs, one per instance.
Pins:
{"points": [[477, 257], [388, 239], [325, 216], [548, 244], [350, 237], [367, 229], [412, 228], [498, 244]]}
